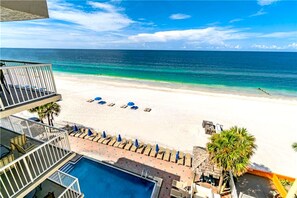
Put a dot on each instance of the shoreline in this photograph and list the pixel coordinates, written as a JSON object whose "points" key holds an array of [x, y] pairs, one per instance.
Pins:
{"points": [[177, 114], [168, 85]]}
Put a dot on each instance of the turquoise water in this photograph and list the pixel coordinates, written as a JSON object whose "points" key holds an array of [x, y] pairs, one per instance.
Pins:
{"points": [[99, 180], [275, 72]]}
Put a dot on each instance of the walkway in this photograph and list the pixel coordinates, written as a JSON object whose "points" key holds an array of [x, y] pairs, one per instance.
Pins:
{"points": [[134, 162]]}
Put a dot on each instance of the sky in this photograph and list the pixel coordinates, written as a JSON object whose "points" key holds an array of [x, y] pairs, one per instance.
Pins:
{"points": [[256, 25]]}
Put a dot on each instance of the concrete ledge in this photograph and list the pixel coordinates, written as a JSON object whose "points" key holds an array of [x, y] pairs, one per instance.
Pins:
{"points": [[32, 104]]}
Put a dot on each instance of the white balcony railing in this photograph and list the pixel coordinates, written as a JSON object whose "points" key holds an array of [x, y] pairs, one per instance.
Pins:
{"points": [[69, 182], [23, 82], [53, 147]]}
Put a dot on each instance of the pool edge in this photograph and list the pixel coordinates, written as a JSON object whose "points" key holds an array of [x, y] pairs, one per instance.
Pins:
{"points": [[156, 180]]}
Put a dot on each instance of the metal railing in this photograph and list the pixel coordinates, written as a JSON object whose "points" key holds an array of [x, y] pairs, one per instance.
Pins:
{"points": [[232, 185], [23, 82], [69, 182], [31, 128], [53, 147]]}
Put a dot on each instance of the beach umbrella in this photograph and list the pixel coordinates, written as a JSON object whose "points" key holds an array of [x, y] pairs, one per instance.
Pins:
{"points": [[157, 148], [90, 132], [98, 98], [131, 104], [177, 155], [119, 138], [136, 143], [75, 128], [103, 134]]}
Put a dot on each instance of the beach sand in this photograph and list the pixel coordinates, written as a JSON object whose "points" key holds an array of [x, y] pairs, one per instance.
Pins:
{"points": [[177, 114]]}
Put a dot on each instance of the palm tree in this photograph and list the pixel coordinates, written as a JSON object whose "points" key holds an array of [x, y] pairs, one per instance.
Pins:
{"points": [[47, 111], [231, 150], [294, 146], [40, 111]]}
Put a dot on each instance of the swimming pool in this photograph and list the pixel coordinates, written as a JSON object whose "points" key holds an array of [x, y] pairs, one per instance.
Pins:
{"points": [[97, 179]]}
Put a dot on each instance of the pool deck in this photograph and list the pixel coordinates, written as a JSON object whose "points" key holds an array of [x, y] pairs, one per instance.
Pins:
{"points": [[134, 162]]}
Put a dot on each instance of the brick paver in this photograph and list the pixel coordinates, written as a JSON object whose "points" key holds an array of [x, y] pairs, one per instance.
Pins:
{"points": [[134, 162]]}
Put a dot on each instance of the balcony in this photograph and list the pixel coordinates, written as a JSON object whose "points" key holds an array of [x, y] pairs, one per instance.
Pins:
{"points": [[60, 184], [25, 85], [28, 170]]}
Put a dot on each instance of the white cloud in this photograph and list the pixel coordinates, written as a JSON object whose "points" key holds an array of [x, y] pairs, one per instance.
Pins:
{"points": [[210, 35], [105, 16], [292, 34], [259, 13], [235, 20], [179, 16], [293, 45], [266, 2], [259, 46], [104, 6]]}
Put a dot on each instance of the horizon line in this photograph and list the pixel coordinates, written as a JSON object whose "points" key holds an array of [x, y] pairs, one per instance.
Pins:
{"points": [[191, 50]]}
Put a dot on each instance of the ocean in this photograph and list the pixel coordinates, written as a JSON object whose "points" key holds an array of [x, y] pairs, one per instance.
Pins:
{"points": [[273, 72]]}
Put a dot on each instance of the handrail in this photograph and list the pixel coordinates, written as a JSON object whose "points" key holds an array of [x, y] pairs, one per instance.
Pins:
{"points": [[24, 66], [72, 188], [42, 124], [29, 153], [67, 174], [16, 61], [26, 82], [28, 167], [68, 188]]}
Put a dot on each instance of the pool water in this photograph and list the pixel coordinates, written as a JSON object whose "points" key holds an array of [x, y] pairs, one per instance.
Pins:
{"points": [[100, 180]]}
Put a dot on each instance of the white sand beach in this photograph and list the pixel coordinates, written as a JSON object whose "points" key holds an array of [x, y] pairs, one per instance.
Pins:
{"points": [[176, 117]]}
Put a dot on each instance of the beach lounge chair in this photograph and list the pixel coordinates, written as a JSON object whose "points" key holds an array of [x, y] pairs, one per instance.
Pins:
{"points": [[153, 152], [81, 130], [181, 159], [140, 148], [111, 104], [21, 144], [90, 100], [128, 145], [97, 137], [90, 137], [160, 153], [112, 141], [173, 156], [124, 106], [102, 138], [147, 149], [107, 139], [73, 133], [117, 143], [147, 109], [84, 134], [167, 155], [133, 148], [188, 160], [122, 143]]}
